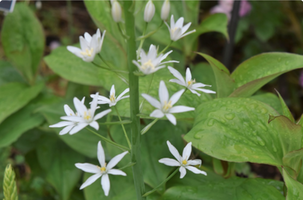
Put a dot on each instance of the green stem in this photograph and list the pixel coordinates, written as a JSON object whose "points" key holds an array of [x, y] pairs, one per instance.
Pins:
{"points": [[109, 69], [142, 41], [122, 33], [151, 33], [146, 128], [125, 134], [153, 190], [128, 7], [148, 88], [109, 141], [166, 48], [114, 123]]}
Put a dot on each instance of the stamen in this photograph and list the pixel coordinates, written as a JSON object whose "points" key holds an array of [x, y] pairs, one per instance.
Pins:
{"points": [[184, 162], [112, 98], [148, 65], [86, 115], [191, 82], [88, 52], [167, 106]]}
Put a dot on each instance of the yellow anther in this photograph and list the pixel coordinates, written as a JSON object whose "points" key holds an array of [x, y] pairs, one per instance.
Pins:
{"points": [[167, 105], [112, 98], [147, 65], [86, 115], [184, 162], [191, 82], [88, 52], [103, 169]]}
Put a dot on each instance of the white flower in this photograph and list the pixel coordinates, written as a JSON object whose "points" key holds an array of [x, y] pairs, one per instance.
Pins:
{"points": [[150, 63], [90, 46], [116, 11], [188, 82], [103, 170], [182, 161], [112, 100], [149, 11], [177, 30], [165, 106], [76, 122], [165, 10]]}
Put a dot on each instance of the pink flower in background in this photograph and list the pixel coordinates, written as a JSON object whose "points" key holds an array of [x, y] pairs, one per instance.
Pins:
{"points": [[226, 6], [301, 79]]}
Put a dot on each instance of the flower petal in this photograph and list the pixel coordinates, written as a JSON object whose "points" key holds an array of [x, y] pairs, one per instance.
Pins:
{"points": [[75, 51], [105, 184], [157, 114], [169, 162], [73, 118], [188, 75], [163, 93], [94, 124], [195, 170], [87, 167], [194, 92], [182, 171], [124, 92], [93, 105], [176, 97], [80, 107], [77, 128], [173, 151], [90, 180], [154, 102], [205, 90], [177, 74], [68, 111], [171, 118], [114, 161], [180, 109], [186, 151], [177, 81], [100, 154], [66, 129], [101, 114], [116, 172], [194, 162], [179, 22], [61, 124]]}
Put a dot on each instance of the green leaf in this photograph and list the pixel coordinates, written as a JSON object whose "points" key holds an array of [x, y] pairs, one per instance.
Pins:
{"points": [[294, 188], [18, 123], [255, 72], [293, 160], [199, 187], [83, 142], [74, 69], [8, 73], [225, 84], [14, 96], [58, 161], [270, 99], [286, 111], [239, 130], [23, 40]]}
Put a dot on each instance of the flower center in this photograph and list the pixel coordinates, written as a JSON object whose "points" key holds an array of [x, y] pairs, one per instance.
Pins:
{"points": [[87, 116], [167, 106], [102, 169], [112, 98], [88, 52], [184, 162], [148, 65], [189, 83], [174, 30]]}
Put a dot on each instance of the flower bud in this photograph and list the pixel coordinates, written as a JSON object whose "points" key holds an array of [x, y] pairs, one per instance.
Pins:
{"points": [[165, 10], [149, 11], [116, 11]]}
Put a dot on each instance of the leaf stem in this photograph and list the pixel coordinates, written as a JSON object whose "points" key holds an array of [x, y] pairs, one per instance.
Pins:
{"points": [[125, 134], [153, 190], [109, 141], [148, 88], [142, 41], [150, 33], [166, 47]]}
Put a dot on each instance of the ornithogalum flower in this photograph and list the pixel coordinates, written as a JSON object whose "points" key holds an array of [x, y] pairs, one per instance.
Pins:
{"points": [[165, 105], [90, 46], [182, 161], [177, 30], [103, 170], [75, 122], [165, 10], [112, 100], [188, 82], [149, 11], [150, 62]]}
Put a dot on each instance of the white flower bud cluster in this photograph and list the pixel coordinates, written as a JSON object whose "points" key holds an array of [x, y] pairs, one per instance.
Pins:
{"points": [[150, 10]]}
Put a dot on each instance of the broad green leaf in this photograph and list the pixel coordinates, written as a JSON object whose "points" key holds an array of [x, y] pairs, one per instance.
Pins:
{"points": [[58, 161], [255, 72], [293, 160], [286, 111], [18, 123], [84, 141], [239, 130], [270, 99], [199, 187], [23, 40], [225, 84], [8, 73], [74, 69], [294, 188], [14, 96]]}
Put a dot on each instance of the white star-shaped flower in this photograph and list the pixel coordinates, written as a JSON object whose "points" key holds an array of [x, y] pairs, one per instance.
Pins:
{"points": [[112, 100], [188, 82], [177, 30], [103, 170], [165, 105], [76, 122], [182, 161], [90, 46], [150, 62]]}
